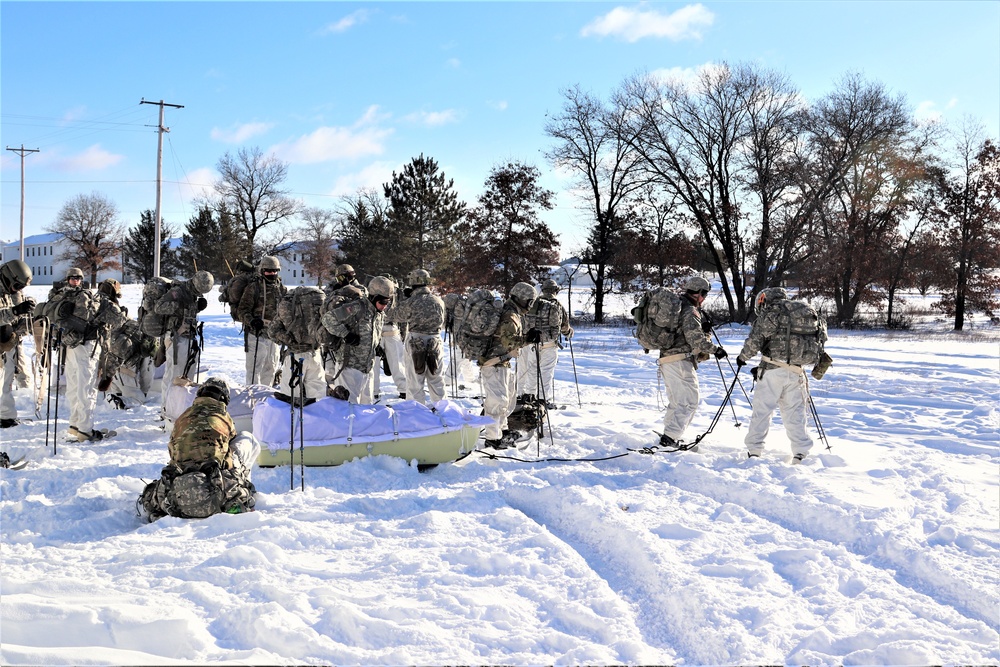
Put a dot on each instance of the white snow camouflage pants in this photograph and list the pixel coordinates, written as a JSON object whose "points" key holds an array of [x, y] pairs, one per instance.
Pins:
{"points": [[499, 385], [392, 346], [529, 369], [359, 384], [7, 408], [415, 381], [262, 360], [179, 348], [313, 375], [681, 380], [81, 384], [246, 450], [783, 389]]}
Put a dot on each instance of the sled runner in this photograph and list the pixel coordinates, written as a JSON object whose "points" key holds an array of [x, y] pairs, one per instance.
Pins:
{"points": [[336, 431]]}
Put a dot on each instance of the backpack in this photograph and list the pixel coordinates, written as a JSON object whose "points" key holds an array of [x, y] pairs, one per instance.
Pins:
{"points": [[232, 291], [800, 325], [545, 315], [297, 320], [482, 316], [130, 344], [657, 317], [197, 492], [73, 309], [153, 324]]}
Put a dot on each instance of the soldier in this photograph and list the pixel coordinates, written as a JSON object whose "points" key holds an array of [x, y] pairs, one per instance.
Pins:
{"points": [[255, 310], [424, 315], [15, 275], [546, 320], [679, 362], [345, 277], [182, 303], [789, 335], [499, 383], [460, 368], [392, 347], [344, 287], [358, 323], [295, 326]]}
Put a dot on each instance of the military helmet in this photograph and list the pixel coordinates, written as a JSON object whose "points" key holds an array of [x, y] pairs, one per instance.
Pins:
{"points": [[270, 263], [697, 284], [522, 294], [767, 296], [345, 270], [111, 288], [15, 276], [419, 278], [550, 286], [215, 387], [203, 282], [74, 273], [381, 286]]}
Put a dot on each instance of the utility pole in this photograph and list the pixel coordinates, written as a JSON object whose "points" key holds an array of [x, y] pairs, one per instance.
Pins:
{"points": [[159, 176], [22, 151]]}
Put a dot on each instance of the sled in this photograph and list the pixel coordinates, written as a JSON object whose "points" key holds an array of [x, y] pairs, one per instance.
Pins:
{"points": [[336, 432], [241, 402]]}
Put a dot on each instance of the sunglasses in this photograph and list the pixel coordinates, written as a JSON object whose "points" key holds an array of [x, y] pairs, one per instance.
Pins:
{"points": [[270, 272], [74, 278], [382, 300], [703, 292]]}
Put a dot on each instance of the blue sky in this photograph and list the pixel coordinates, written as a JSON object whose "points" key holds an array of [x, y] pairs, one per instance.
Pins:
{"points": [[348, 92]]}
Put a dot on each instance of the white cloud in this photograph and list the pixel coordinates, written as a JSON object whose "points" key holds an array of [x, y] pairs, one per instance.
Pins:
{"points": [[688, 76], [454, 63], [372, 176], [237, 134], [499, 105], [333, 143], [90, 159], [343, 25], [927, 111], [433, 118], [197, 183], [633, 24]]}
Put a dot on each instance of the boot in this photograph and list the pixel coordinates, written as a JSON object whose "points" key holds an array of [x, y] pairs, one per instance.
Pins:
{"points": [[7, 423]]}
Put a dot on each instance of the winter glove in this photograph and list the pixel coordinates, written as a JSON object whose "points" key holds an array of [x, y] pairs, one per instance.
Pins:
{"points": [[256, 325], [720, 353], [352, 338], [24, 307], [706, 323], [569, 334], [202, 303], [755, 373], [533, 336], [740, 362]]}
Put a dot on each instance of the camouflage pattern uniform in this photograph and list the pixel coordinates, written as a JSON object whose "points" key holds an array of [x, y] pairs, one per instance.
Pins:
{"points": [[258, 305], [202, 432], [678, 366], [780, 385], [499, 382], [536, 365], [11, 358], [392, 346], [464, 368], [302, 344], [181, 305], [424, 315], [356, 360]]}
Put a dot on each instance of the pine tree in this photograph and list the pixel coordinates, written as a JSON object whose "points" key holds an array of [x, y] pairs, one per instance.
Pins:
{"points": [[137, 249], [210, 241]]}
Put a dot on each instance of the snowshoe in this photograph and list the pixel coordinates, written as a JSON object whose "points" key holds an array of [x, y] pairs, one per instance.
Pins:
{"points": [[8, 423], [75, 434]]}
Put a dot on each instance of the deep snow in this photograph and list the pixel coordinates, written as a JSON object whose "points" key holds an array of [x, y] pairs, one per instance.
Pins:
{"points": [[881, 551]]}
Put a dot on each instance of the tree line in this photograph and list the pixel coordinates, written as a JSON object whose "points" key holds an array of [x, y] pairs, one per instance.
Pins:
{"points": [[849, 198]]}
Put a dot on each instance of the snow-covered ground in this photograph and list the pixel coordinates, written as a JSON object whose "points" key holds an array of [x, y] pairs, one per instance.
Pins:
{"points": [[883, 550]]}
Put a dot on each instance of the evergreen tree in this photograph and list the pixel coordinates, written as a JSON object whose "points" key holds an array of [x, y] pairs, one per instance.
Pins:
{"points": [[210, 241], [371, 243], [137, 250]]}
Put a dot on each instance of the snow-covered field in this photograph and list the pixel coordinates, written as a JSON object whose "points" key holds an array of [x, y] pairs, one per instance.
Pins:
{"points": [[883, 550]]}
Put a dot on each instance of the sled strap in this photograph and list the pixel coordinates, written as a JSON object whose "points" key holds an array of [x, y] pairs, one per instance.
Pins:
{"points": [[350, 425], [395, 425]]}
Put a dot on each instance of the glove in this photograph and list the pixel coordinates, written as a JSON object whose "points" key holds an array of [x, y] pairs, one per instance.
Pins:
{"points": [[755, 373], [202, 303], [569, 334], [740, 362], [720, 353], [706, 323], [533, 336], [352, 338], [24, 307], [256, 325]]}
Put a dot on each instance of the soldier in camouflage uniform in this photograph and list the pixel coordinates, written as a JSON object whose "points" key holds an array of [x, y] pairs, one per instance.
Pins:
{"points": [[205, 431], [392, 344], [255, 310], [358, 323], [424, 315], [182, 303], [460, 367], [536, 365], [781, 381], [15, 275], [499, 382], [679, 362], [344, 287]]}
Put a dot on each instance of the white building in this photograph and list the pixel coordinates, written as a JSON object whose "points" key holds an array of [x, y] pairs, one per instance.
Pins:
{"points": [[42, 254]]}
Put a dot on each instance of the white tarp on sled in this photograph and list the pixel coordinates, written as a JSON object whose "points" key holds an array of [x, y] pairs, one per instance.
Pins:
{"points": [[335, 431], [241, 402]]}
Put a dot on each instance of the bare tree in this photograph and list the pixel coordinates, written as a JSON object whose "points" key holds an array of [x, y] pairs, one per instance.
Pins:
{"points": [[592, 143], [318, 244], [250, 187], [90, 224]]}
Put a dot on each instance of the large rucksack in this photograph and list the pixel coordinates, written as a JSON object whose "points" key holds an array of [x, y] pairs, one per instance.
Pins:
{"points": [[232, 291], [480, 321], [153, 324], [800, 325], [197, 492], [657, 318], [545, 315], [297, 320], [73, 309]]}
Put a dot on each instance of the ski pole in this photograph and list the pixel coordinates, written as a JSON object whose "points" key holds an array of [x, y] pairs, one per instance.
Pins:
{"points": [[815, 416], [719, 343], [575, 380], [718, 413], [293, 383], [55, 420], [47, 359], [302, 431], [538, 410], [736, 420]]}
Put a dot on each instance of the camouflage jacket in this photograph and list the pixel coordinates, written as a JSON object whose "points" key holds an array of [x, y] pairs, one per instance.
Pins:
{"points": [[690, 340], [549, 333], [363, 320], [180, 304], [260, 299], [508, 339], [770, 334], [202, 432], [6, 304], [423, 312]]}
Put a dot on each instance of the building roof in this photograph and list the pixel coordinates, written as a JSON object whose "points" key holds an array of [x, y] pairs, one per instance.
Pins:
{"points": [[51, 237]]}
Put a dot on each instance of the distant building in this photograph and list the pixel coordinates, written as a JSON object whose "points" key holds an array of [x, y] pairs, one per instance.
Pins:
{"points": [[293, 271], [42, 253]]}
